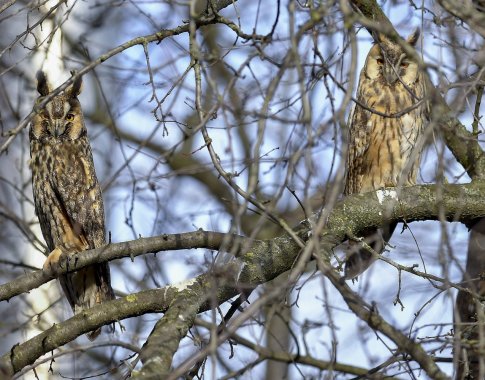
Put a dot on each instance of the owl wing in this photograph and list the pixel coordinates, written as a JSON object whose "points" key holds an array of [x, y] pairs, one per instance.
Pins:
{"points": [[43, 215], [79, 195], [359, 141]]}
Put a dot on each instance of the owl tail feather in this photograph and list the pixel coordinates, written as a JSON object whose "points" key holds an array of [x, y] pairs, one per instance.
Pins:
{"points": [[360, 259], [87, 288]]}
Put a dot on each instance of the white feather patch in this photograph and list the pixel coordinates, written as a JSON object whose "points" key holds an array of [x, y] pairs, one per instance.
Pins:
{"points": [[383, 194], [184, 284]]}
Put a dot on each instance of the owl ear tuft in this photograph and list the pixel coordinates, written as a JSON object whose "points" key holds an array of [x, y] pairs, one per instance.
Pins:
{"points": [[42, 83], [413, 37], [75, 89]]}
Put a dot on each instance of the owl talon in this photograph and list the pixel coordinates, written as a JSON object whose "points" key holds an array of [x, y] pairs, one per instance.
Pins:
{"points": [[52, 261]]}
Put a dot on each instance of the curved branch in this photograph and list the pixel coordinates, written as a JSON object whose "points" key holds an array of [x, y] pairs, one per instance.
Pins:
{"points": [[350, 217], [76, 261], [163, 342], [262, 262]]}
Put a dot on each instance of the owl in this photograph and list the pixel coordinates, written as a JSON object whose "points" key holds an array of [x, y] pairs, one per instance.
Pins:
{"points": [[67, 195], [386, 129]]}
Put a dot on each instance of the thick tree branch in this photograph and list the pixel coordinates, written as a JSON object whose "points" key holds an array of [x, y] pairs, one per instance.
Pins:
{"points": [[350, 217], [263, 261], [163, 342], [197, 239]]}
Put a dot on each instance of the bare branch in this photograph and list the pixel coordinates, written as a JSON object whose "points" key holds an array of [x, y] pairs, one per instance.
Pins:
{"points": [[262, 262]]}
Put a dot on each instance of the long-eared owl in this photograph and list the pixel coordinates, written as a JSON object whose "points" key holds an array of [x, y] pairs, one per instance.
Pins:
{"points": [[67, 196], [386, 134]]}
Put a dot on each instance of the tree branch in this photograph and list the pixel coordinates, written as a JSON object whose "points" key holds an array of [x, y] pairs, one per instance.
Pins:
{"points": [[206, 18], [467, 12], [163, 342], [76, 261], [281, 356], [262, 262], [370, 315]]}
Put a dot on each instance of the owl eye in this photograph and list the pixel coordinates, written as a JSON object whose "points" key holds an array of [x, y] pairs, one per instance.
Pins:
{"points": [[380, 61], [404, 64], [69, 117]]}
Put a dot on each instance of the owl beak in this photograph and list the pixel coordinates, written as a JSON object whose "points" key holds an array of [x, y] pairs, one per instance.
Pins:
{"points": [[58, 128], [390, 76]]}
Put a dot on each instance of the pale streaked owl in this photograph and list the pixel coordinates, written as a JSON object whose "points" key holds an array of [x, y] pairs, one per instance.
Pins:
{"points": [[67, 195], [386, 134]]}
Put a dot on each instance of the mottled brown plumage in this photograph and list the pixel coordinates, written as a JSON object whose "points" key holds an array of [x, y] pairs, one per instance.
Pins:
{"points": [[67, 195], [386, 130]]}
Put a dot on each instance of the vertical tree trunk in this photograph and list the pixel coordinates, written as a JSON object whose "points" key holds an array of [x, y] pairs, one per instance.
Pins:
{"points": [[469, 316]]}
